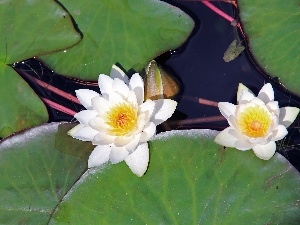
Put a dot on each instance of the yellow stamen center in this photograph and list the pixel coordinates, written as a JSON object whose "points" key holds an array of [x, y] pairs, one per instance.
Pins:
{"points": [[122, 119], [254, 122]]}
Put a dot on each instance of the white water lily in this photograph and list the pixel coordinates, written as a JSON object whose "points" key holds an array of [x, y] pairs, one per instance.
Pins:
{"points": [[256, 122], [119, 121]]}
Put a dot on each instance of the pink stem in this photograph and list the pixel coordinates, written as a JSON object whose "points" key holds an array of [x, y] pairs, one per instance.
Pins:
{"points": [[53, 89], [202, 101], [59, 107], [221, 13], [218, 11], [207, 102]]}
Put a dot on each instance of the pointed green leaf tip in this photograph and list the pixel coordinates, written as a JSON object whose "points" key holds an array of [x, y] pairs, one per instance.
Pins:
{"points": [[130, 33], [190, 180]]}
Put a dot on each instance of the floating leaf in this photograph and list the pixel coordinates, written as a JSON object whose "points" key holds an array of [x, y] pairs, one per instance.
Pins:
{"points": [[31, 28], [21, 107], [38, 167], [129, 32], [273, 30], [28, 28], [190, 180]]}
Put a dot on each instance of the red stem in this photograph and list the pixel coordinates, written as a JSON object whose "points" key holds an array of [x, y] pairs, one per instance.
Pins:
{"points": [[53, 89], [207, 102], [201, 101], [221, 13], [218, 11], [59, 107]]}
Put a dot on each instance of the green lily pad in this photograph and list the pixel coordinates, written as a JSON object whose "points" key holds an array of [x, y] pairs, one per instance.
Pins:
{"points": [[21, 107], [27, 29], [130, 32], [31, 28], [38, 167], [273, 29], [190, 180]]}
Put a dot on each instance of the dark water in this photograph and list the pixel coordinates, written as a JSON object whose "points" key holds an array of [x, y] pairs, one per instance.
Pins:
{"points": [[200, 67]]}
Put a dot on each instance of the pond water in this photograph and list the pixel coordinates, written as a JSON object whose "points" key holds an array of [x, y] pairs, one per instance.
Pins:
{"points": [[201, 70]]}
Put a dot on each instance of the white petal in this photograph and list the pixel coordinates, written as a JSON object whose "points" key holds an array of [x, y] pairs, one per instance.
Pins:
{"points": [[84, 116], [241, 108], [238, 135], [120, 87], [241, 89], [102, 138], [243, 144], [287, 115], [85, 96], [97, 123], [148, 132], [115, 98], [275, 122], [164, 109], [257, 101], [255, 141], [231, 121], [75, 129], [121, 141], [99, 156], [227, 109], [100, 104], [138, 160], [265, 152], [266, 94], [142, 120], [131, 146], [225, 138], [132, 99], [105, 84], [117, 154], [246, 96], [116, 72], [279, 133], [147, 108], [85, 133], [137, 85], [273, 107], [266, 139]]}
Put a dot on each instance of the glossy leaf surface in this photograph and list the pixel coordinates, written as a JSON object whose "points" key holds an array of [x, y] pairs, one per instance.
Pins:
{"points": [[273, 29], [190, 180], [31, 28], [27, 29], [38, 167], [130, 33], [21, 107]]}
